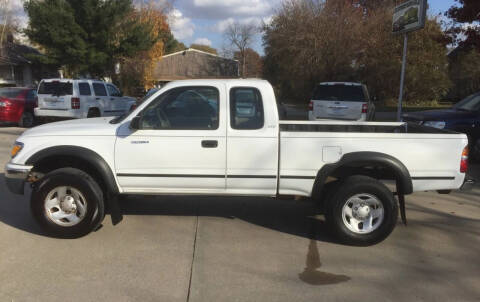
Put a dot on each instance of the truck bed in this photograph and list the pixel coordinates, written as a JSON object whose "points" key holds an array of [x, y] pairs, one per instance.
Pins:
{"points": [[308, 146]]}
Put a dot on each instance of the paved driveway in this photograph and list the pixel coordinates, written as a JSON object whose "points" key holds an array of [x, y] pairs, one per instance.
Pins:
{"points": [[238, 249]]}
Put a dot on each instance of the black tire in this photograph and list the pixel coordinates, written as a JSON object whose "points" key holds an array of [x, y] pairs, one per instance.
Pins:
{"points": [[27, 120], [361, 185], [93, 112], [80, 181]]}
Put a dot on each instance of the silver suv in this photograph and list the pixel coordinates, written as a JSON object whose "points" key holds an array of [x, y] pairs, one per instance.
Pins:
{"points": [[72, 98], [341, 101]]}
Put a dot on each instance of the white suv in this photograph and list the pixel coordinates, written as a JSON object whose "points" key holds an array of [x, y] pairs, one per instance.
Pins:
{"points": [[68, 98], [341, 101]]}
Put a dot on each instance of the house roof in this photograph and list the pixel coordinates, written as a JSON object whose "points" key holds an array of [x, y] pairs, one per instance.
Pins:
{"points": [[198, 51], [16, 54]]}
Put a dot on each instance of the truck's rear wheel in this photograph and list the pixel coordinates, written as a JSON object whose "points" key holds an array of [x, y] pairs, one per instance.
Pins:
{"points": [[362, 211], [67, 203]]}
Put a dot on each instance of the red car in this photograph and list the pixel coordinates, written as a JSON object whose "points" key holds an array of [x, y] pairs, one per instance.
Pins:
{"points": [[17, 104]]}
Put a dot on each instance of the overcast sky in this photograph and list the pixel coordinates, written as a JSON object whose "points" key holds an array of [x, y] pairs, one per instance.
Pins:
{"points": [[203, 21]]}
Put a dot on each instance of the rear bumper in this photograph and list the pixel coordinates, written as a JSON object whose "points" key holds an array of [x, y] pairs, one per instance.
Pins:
{"points": [[312, 117], [58, 113], [15, 177], [468, 184]]}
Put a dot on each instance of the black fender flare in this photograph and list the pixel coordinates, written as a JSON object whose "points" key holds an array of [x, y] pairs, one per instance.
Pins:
{"points": [[359, 159], [82, 153]]}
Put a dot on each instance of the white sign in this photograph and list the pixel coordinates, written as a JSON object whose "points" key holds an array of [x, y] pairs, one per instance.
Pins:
{"points": [[409, 16]]}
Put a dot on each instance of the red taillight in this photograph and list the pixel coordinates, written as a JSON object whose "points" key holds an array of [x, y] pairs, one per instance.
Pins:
{"points": [[364, 108], [75, 103], [310, 106], [464, 161]]}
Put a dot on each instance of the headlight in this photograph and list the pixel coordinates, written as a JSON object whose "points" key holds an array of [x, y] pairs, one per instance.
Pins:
{"points": [[438, 124], [17, 147]]}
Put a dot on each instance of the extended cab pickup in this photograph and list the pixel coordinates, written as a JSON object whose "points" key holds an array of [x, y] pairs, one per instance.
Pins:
{"points": [[223, 137]]}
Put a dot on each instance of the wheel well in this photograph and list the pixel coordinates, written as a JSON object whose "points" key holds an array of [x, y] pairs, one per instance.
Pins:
{"points": [[94, 109], [52, 163], [326, 178]]}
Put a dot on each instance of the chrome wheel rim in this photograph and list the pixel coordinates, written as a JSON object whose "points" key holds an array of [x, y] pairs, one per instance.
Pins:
{"points": [[65, 206], [363, 213]]}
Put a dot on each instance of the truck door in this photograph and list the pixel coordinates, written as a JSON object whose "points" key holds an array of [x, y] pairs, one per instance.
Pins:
{"points": [[252, 144], [180, 145]]}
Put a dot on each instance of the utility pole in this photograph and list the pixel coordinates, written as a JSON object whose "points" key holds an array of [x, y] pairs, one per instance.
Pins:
{"points": [[402, 77]]}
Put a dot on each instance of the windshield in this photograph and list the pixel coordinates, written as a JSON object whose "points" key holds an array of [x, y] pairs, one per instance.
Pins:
{"points": [[339, 93], [471, 103], [56, 88], [10, 92]]}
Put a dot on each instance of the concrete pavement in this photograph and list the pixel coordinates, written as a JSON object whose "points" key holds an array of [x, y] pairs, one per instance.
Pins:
{"points": [[174, 248]]}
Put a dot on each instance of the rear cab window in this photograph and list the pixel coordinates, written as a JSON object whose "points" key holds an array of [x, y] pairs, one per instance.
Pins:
{"points": [[56, 88], [339, 92], [246, 109]]}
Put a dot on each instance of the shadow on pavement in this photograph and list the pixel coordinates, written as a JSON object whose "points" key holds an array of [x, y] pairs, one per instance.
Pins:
{"points": [[297, 218], [15, 210], [288, 216]]}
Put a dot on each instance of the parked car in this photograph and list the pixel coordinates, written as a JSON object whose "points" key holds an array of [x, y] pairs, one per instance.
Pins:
{"points": [[175, 143], [17, 105], [341, 101], [69, 98], [463, 117]]}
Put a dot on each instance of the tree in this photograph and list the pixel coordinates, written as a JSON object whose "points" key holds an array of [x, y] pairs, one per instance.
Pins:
{"points": [[465, 58], [138, 71], [253, 63], [87, 37], [241, 36], [204, 48], [311, 41], [467, 13], [8, 21], [172, 45]]}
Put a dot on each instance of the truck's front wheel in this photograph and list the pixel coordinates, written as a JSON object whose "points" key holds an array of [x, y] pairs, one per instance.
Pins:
{"points": [[67, 203], [362, 211]]}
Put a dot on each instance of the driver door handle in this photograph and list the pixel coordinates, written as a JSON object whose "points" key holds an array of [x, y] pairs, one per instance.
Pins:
{"points": [[209, 144]]}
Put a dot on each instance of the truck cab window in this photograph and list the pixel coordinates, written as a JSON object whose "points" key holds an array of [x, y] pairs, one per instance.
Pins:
{"points": [[246, 109], [186, 108]]}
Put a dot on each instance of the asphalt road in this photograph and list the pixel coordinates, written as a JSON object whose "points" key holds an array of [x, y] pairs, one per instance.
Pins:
{"points": [[239, 249]]}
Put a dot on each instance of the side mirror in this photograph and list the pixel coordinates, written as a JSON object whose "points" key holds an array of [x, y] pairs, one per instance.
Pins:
{"points": [[135, 123]]}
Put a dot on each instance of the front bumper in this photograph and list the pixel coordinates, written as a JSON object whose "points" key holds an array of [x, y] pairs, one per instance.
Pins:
{"points": [[468, 184], [15, 177]]}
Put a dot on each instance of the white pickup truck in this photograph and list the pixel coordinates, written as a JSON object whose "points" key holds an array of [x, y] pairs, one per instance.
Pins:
{"points": [[223, 137]]}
